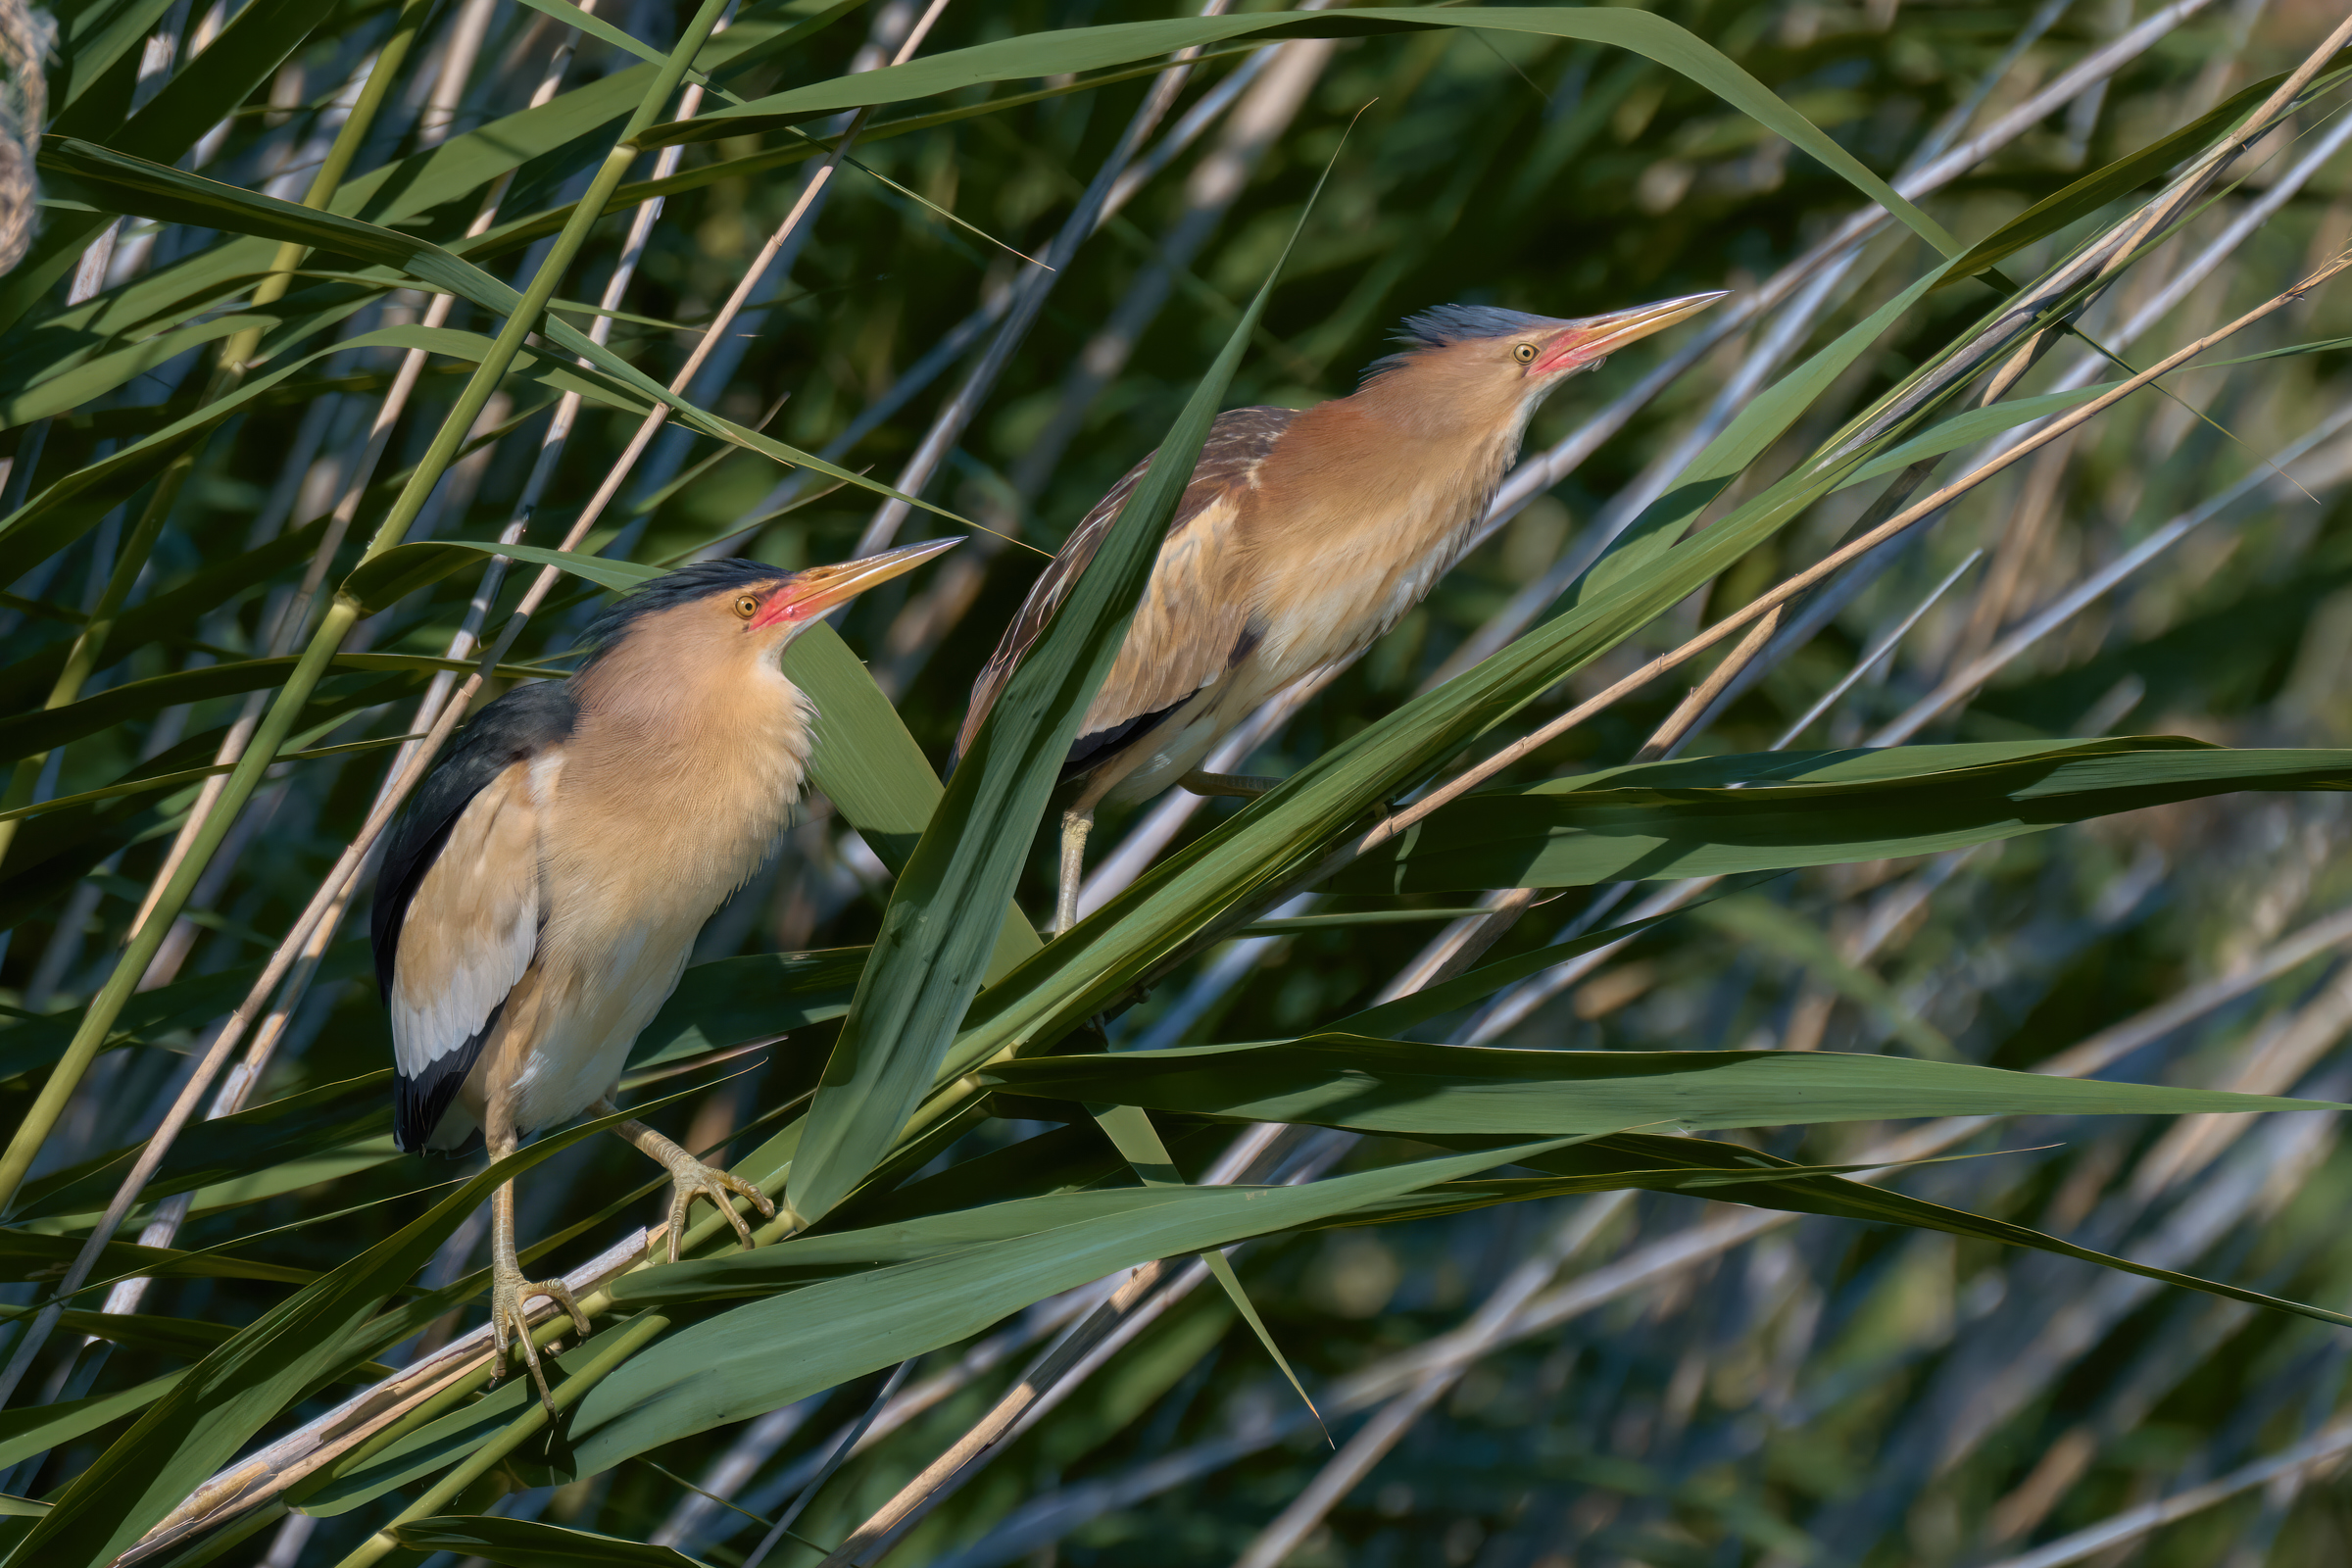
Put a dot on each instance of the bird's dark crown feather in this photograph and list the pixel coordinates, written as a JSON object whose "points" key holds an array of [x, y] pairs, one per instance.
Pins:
{"points": [[698, 580], [1442, 326]]}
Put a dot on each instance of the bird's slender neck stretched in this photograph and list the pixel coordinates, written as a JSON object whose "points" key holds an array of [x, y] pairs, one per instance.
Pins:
{"points": [[1418, 450], [1449, 424]]}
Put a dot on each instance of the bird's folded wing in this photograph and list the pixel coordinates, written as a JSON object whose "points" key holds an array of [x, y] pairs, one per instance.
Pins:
{"points": [[472, 925], [1188, 628], [1186, 613], [456, 920]]}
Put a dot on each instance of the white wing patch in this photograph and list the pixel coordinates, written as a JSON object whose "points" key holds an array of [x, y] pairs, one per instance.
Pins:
{"points": [[472, 927]]}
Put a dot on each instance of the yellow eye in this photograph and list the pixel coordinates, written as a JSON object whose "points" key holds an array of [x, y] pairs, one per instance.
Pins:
{"points": [[747, 606], [1525, 353]]}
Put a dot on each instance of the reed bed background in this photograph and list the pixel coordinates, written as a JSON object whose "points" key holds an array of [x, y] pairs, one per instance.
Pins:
{"points": [[996, 298]]}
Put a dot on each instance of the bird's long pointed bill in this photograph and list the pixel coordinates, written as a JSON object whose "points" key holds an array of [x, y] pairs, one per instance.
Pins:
{"points": [[1598, 336], [817, 590]]}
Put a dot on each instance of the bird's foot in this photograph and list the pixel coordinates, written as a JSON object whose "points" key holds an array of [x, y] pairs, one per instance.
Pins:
{"points": [[691, 1179], [1075, 825], [509, 1318]]}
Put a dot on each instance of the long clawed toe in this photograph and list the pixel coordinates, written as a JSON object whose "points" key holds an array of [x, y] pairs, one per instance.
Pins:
{"points": [[695, 1180], [509, 1320]]}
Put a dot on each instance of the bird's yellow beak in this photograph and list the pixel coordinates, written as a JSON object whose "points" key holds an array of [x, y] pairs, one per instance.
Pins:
{"points": [[806, 595], [1586, 342]]}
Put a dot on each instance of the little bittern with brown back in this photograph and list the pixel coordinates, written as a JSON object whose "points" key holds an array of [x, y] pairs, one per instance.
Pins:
{"points": [[540, 892], [1302, 536]]}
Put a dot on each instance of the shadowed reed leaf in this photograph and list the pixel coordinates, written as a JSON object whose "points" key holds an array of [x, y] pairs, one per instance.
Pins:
{"points": [[767, 1353], [1418, 1088], [1728, 1173], [1842, 808], [528, 1543], [24, 1256]]}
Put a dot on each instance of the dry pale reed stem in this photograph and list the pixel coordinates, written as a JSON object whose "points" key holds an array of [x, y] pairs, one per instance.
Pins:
{"points": [[1973, 674], [2118, 1532], [991, 1428], [759, 1441], [2185, 191], [1686, 715], [302, 1452]]}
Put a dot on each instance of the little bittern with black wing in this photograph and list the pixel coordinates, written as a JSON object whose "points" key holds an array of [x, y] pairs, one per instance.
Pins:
{"points": [[1302, 536], [540, 892]]}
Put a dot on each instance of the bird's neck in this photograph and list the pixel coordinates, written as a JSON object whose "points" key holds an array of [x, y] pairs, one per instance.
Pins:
{"points": [[1429, 404], [1406, 476], [1364, 504], [713, 747]]}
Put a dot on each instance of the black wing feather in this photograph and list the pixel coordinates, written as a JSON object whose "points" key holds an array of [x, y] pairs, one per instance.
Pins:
{"points": [[418, 1103]]}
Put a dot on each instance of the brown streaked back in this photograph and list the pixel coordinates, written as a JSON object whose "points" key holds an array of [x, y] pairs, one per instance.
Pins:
{"points": [[1238, 442]]}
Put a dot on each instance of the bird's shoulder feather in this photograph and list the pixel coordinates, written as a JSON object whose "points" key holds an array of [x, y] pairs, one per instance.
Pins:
{"points": [[1238, 442]]}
